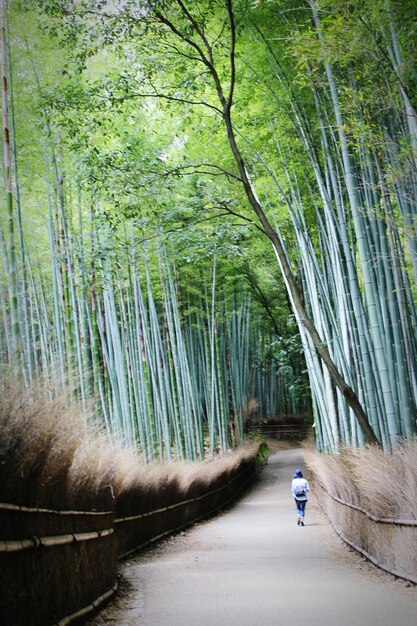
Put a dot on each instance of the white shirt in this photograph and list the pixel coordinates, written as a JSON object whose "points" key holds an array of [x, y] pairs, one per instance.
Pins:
{"points": [[300, 482]]}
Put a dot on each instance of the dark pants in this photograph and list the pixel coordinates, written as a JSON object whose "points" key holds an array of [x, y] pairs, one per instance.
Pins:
{"points": [[301, 506]]}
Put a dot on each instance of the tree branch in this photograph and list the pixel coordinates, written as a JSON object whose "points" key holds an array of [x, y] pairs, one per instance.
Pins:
{"points": [[197, 171], [208, 61], [200, 32], [183, 37], [172, 98], [226, 212]]}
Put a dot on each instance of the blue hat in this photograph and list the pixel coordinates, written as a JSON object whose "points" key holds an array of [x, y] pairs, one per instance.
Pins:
{"points": [[298, 474]]}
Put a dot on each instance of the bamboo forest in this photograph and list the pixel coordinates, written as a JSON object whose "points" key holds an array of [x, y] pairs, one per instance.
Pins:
{"points": [[209, 216]]}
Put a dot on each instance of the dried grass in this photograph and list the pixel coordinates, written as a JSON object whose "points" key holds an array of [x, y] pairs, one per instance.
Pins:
{"points": [[50, 458], [147, 487], [39, 438], [384, 484], [94, 470], [49, 455]]}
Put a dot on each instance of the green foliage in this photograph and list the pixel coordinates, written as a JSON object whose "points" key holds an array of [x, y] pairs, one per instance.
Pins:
{"points": [[263, 451]]}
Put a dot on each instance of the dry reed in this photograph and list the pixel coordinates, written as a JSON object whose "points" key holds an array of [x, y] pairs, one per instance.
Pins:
{"points": [[39, 437], [384, 484], [147, 487], [50, 457]]}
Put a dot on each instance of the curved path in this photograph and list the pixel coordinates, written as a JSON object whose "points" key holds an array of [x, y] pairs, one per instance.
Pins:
{"points": [[254, 566]]}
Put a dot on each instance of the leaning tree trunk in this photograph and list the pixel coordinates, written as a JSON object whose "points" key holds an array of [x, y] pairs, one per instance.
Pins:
{"points": [[295, 295]]}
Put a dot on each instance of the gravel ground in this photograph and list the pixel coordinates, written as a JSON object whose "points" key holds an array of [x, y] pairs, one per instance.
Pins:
{"points": [[253, 565]]}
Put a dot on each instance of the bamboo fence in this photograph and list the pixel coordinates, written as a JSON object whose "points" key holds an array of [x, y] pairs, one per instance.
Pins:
{"points": [[56, 567], [389, 543]]}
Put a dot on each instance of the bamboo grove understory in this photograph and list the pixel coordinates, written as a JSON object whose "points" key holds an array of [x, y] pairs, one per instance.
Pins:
{"points": [[295, 123]]}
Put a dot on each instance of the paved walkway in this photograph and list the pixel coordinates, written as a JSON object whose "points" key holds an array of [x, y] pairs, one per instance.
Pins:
{"points": [[253, 566]]}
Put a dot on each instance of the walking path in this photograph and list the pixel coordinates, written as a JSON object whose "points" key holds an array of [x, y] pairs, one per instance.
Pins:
{"points": [[253, 566]]}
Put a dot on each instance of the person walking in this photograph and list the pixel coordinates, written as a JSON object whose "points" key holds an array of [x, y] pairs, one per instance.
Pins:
{"points": [[299, 490]]}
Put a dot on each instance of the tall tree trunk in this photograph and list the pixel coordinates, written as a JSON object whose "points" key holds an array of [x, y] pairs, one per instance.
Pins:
{"points": [[15, 354], [28, 349]]}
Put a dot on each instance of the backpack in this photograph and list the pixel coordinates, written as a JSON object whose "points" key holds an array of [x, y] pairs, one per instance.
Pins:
{"points": [[299, 491]]}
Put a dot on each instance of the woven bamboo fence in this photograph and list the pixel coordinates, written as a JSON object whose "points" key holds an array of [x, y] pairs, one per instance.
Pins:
{"points": [[389, 543], [53, 563], [136, 531], [58, 566]]}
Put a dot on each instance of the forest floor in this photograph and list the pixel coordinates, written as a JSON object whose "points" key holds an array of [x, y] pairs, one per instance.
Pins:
{"points": [[252, 564]]}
